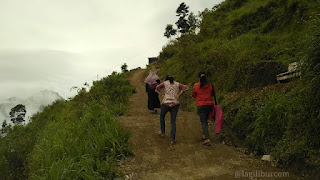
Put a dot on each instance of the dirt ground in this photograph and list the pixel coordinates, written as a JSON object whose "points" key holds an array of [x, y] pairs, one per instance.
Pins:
{"points": [[155, 158]]}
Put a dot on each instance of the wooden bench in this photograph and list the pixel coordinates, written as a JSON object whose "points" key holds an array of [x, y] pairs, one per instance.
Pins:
{"points": [[290, 74]]}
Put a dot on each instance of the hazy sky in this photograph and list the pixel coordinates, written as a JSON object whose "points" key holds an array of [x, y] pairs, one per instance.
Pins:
{"points": [[57, 44]]}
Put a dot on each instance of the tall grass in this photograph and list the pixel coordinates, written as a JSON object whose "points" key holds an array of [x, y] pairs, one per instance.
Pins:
{"points": [[76, 139], [84, 146], [285, 121]]}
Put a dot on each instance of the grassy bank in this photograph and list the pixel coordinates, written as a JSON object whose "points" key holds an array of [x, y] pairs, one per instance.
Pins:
{"points": [[243, 45], [75, 139]]}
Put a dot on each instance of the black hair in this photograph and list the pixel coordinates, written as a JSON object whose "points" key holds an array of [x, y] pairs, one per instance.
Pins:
{"points": [[200, 73], [203, 79], [170, 78]]}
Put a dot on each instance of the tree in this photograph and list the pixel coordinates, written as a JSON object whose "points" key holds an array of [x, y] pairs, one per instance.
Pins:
{"points": [[4, 124], [182, 10], [193, 21], [18, 113], [124, 68], [170, 31], [182, 23]]}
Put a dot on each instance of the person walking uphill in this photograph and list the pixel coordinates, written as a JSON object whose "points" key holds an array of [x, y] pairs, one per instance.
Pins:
{"points": [[170, 103], [203, 91], [153, 99]]}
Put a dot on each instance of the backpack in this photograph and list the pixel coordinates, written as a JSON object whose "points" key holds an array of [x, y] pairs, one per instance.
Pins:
{"points": [[153, 84]]}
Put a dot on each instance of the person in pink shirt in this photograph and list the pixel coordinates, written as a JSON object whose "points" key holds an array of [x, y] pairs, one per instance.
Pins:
{"points": [[170, 103]]}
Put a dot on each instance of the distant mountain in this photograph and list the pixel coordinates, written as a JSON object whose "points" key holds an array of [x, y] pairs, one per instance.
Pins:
{"points": [[34, 104]]}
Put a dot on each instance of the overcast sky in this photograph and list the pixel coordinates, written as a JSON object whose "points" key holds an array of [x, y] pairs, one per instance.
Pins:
{"points": [[57, 44]]}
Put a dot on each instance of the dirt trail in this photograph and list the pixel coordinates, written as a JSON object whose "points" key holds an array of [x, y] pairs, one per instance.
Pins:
{"points": [[154, 158]]}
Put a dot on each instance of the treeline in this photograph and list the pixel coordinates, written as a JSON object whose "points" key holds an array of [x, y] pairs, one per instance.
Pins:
{"points": [[75, 139], [243, 45]]}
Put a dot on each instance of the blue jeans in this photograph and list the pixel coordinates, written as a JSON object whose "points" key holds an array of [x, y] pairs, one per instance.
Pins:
{"points": [[203, 112], [173, 112]]}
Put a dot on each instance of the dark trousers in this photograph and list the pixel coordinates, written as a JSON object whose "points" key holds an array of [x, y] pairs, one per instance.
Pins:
{"points": [[173, 112], [203, 112]]}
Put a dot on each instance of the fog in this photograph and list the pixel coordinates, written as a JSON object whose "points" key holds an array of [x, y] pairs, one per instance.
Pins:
{"points": [[54, 45]]}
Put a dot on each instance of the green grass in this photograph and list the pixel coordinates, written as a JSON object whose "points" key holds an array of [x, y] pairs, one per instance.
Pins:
{"points": [[243, 45], [76, 139], [81, 148]]}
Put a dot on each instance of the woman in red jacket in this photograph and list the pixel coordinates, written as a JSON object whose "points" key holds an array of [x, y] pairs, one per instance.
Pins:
{"points": [[203, 91]]}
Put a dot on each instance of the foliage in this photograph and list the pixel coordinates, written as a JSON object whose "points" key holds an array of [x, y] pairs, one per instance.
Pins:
{"points": [[271, 122], [185, 23], [170, 31], [193, 21], [4, 124], [18, 113], [182, 10], [243, 45], [302, 143], [124, 68], [76, 139]]}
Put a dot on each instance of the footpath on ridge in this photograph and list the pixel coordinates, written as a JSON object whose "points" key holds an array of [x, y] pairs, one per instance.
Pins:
{"points": [[155, 158]]}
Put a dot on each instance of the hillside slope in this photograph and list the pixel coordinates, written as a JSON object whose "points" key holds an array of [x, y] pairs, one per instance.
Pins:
{"points": [[243, 45]]}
